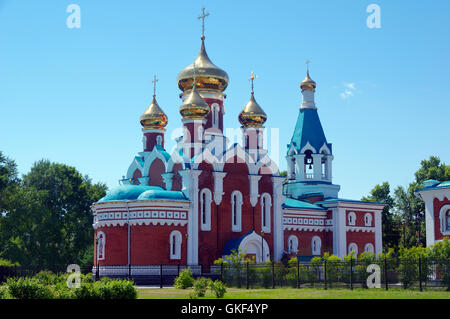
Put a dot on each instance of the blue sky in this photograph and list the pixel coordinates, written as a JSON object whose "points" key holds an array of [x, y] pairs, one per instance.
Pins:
{"points": [[75, 95]]}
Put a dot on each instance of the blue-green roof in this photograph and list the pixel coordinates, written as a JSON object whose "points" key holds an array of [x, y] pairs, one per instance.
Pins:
{"points": [[308, 129], [332, 200], [433, 184], [162, 194], [295, 203], [140, 192]]}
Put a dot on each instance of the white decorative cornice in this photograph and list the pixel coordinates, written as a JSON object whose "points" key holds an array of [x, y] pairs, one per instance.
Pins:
{"points": [[140, 222], [360, 229], [308, 228], [218, 186]]}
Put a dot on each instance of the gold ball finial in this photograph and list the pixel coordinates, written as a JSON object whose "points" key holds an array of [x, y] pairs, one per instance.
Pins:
{"points": [[154, 117]]}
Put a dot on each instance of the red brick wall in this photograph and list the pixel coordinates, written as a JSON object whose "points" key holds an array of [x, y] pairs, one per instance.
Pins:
{"points": [[305, 239], [155, 171], [360, 239], [437, 204]]}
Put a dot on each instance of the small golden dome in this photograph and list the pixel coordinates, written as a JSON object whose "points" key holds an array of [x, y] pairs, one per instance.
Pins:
{"points": [[208, 75], [308, 83], [153, 117], [194, 107], [252, 115]]}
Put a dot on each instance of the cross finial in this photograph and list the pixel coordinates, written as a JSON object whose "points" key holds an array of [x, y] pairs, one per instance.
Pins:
{"points": [[252, 77], [155, 79], [307, 66], [202, 17]]}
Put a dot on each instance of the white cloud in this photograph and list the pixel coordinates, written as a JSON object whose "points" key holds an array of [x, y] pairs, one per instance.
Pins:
{"points": [[349, 91]]}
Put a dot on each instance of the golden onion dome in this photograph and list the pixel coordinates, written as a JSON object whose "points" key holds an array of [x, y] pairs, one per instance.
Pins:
{"points": [[208, 75], [252, 115], [194, 107], [153, 117], [308, 83]]}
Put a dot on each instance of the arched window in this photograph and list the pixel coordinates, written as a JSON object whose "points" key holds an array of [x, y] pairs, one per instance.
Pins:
{"points": [[309, 162], [444, 218], [353, 247], [175, 244], [266, 204], [205, 209], [316, 245], [369, 248], [215, 115], [236, 211], [368, 219], [351, 219], [159, 140], [101, 240], [447, 220], [292, 244]]}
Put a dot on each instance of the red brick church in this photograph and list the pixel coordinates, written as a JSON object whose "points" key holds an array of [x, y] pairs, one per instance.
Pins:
{"points": [[208, 197]]}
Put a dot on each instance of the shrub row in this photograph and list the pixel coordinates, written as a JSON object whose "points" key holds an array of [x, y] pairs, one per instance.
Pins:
{"points": [[47, 285]]}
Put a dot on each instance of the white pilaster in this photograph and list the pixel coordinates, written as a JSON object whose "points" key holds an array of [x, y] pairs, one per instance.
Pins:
{"points": [[378, 233], [339, 232], [317, 161], [254, 179], [218, 186], [278, 232], [300, 167], [190, 189]]}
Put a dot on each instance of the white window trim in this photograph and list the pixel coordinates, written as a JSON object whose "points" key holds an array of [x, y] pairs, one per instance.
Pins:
{"points": [[175, 235], [317, 251], [366, 248], [207, 225], [294, 240], [215, 115], [238, 195], [368, 219], [350, 248], [266, 211], [102, 244], [351, 219], [442, 220]]}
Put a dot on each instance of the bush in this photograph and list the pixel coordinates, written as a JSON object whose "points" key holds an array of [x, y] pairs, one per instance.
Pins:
{"points": [[7, 263], [28, 288], [200, 286], [184, 279], [115, 289], [218, 288], [4, 293]]}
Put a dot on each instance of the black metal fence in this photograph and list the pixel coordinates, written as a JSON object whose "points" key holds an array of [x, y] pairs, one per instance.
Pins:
{"points": [[382, 273]]}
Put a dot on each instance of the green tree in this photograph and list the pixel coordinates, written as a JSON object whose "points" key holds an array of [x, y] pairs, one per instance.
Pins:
{"points": [[390, 221], [49, 220], [8, 178]]}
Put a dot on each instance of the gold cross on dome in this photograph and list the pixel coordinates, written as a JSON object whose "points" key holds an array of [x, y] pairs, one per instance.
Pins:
{"points": [[252, 77], [154, 84], [202, 17], [307, 65]]}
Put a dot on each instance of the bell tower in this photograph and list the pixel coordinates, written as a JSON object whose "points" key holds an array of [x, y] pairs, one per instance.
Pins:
{"points": [[309, 156]]}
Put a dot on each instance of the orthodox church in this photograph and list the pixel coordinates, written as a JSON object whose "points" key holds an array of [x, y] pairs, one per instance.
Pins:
{"points": [[207, 198]]}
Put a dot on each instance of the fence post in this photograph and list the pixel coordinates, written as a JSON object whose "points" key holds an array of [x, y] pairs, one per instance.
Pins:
{"points": [[221, 271], [178, 269], [325, 273], [351, 273], [247, 276], [298, 273], [420, 274], [273, 275], [160, 276], [385, 274]]}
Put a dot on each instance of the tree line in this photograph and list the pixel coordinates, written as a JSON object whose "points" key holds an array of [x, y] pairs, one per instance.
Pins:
{"points": [[45, 216]]}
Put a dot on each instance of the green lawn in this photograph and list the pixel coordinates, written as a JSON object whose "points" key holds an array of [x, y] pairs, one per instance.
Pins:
{"points": [[302, 293]]}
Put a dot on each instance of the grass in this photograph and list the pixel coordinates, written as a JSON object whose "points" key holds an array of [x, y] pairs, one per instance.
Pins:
{"points": [[302, 293]]}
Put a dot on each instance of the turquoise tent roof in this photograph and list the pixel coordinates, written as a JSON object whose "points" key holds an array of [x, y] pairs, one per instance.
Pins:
{"points": [[308, 129], [140, 192], [295, 203], [163, 152]]}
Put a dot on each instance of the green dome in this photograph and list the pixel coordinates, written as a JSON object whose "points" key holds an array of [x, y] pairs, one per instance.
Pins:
{"points": [[126, 192], [162, 194]]}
